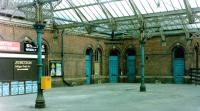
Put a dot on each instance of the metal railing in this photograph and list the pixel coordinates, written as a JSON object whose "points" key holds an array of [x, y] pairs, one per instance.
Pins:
{"points": [[195, 75]]}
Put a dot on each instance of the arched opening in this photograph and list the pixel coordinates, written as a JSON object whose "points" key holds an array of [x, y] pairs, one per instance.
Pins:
{"points": [[97, 61], [114, 66], [88, 65], [178, 64], [97, 65], [130, 64]]}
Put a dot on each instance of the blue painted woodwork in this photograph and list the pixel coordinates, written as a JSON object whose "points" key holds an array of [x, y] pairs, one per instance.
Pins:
{"points": [[131, 68], [113, 69], [88, 68], [178, 70]]}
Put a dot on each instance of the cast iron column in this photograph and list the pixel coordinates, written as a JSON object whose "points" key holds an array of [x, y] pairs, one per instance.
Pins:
{"points": [[142, 86], [40, 102]]}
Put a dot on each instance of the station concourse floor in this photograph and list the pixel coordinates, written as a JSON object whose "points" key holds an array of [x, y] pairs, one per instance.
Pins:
{"points": [[111, 97]]}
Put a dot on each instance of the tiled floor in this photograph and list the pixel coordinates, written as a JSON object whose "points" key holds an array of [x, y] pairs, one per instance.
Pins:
{"points": [[111, 97]]}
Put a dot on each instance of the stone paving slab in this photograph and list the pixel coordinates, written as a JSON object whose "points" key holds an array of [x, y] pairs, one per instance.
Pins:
{"points": [[111, 97]]}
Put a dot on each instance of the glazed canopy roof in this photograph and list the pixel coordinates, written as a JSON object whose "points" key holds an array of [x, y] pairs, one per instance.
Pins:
{"points": [[121, 18]]}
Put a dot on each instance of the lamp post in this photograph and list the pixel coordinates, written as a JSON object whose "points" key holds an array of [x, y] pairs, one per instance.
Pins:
{"points": [[142, 86], [39, 27]]}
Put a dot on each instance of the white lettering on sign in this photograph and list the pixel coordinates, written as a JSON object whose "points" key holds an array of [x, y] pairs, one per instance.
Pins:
{"points": [[23, 65], [23, 62], [9, 46]]}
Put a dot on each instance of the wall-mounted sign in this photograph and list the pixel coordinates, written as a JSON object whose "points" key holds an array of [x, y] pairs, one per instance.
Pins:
{"points": [[8, 46], [55, 68], [31, 47], [22, 65]]}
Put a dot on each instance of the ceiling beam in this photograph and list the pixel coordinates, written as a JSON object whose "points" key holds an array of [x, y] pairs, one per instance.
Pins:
{"points": [[92, 4], [75, 24], [189, 11], [146, 16], [165, 33], [108, 15], [137, 13]]}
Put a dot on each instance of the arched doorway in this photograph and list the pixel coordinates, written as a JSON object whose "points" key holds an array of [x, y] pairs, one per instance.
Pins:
{"points": [[130, 65], [88, 65], [97, 61], [114, 66], [97, 65], [178, 64]]}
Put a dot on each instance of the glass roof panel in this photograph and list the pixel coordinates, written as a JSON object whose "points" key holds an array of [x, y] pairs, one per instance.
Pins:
{"points": [[182, 4], [67, 14], [112, 10], [143, 7], [193, 3], [168, 4], [97, 12], [61, 15], [125, 9], [176, 4], [62, 5], [198, 3], [165, 5], [100, 12], [83, 2], [86, 11]]}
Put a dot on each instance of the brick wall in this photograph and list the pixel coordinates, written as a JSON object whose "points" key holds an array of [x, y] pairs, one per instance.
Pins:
{"points": [[158, 59]]}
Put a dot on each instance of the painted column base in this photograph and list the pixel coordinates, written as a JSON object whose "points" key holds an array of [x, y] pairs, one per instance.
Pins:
{"points": [[40, 102], [142, 88]]}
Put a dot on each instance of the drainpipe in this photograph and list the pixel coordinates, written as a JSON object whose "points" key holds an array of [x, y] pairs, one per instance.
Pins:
{"points": [[62, 59]]}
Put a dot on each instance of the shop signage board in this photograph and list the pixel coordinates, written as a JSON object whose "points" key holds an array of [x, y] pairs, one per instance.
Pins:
{"points": [[14, 88], [31, 47], [23, 65], [9, 46], [6, 90]]}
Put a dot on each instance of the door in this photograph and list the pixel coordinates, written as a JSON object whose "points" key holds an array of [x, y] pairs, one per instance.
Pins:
{"points": [[131, 68], [178, 67], [88, 69], [113, 69]]}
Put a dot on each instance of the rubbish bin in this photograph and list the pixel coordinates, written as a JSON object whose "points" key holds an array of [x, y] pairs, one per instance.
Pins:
{"points": [[46, 82]]}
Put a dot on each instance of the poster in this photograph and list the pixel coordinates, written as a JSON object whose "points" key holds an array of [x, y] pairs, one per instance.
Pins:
{"points": [[21, 87], [58, 69], [34, 87], [55, 68], [0, 88], [14, 88], [28, 87], [6, 90]]}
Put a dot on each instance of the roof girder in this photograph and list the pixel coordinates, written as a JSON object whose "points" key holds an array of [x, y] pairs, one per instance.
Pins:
{"points": [[189, 11]]}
